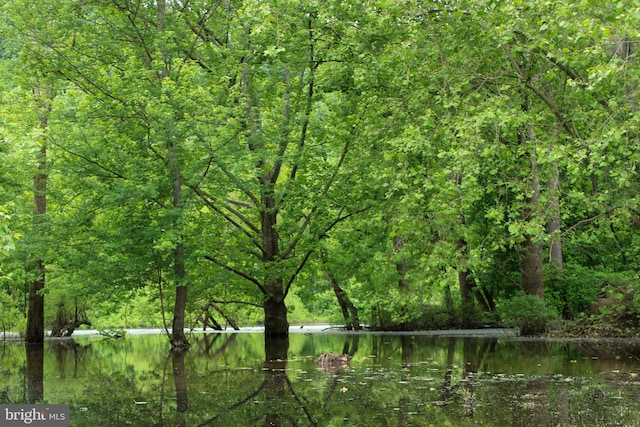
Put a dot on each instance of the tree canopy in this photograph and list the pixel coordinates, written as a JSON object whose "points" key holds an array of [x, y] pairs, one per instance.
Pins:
{"points": [[403, 163]]}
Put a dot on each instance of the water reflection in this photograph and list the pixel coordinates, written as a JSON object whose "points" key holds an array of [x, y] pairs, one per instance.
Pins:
{"points": [[35, 372], [180, 381], [240, 379]]}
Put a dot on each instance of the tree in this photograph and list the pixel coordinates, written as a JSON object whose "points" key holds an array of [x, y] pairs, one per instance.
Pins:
{"points": [[35, 317], [294, 129]]}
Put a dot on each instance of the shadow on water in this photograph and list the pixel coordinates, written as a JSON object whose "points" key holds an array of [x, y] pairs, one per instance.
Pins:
{"points": [[231, 379]]}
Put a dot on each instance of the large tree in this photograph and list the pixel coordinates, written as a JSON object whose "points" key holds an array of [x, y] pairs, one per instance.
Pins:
{"points": [[294, 122]]}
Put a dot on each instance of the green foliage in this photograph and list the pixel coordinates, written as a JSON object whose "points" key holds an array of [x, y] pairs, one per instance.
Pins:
{"points": [[223, 150], [11, 319], [299, 314], [140, 309], [6, 235], [574, 289], [528, 313]]}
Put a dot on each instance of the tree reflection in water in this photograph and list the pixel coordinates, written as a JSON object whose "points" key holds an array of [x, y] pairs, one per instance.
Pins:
{"points": [[243, 379], [35, 372]]}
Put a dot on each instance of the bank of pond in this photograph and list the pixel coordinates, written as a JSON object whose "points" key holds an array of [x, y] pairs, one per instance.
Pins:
{"points": [[226, 379]]}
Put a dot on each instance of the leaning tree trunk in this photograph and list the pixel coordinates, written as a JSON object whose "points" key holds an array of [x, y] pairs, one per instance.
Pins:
{"points": [[349, 311], [65, 325]]}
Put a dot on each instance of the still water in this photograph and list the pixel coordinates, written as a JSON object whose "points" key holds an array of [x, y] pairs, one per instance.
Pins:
{"points": [[392, 380]]}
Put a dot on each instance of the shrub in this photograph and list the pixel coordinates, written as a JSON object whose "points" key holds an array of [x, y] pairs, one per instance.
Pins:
{"points": [[528, 313], [11, 318], [573, 289]]}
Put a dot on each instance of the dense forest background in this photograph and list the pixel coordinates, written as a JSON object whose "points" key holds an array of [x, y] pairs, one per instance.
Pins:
{"points": [[401, 164]]}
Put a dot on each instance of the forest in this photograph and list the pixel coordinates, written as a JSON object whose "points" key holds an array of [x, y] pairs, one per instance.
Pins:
{"points": [[394, 164]]}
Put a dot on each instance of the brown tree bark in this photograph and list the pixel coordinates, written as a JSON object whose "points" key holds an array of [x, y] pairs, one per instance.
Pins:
{"points": [[178, 338], [35, 314], [465, 283], [531, 248], [275, 309], [554, 223], [466, 286], [531, 265], [65, 325], [276, 324], [349, 311]]}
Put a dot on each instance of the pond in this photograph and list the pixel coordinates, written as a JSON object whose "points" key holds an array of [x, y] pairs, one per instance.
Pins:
{"points": [[392, 380]]}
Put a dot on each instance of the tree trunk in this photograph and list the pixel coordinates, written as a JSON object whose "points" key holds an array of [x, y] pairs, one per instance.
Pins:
{"points": [[448, 299], [207, 318], [401, 265], [531, 266], [65, 325], [275, 309], [464, 281], [349, 311], [484, 298], [466, 287], [35, 315], [178, 339], [554, 224], [276, 324]]}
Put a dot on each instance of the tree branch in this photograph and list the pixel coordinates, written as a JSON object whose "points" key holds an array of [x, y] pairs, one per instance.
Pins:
{"points": [[571, 130], [237, 182], [112, 173], [236, 302], [588, 220], [314, 209], [211, 202], [307, 112], [237, 272], [335, 222]]}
